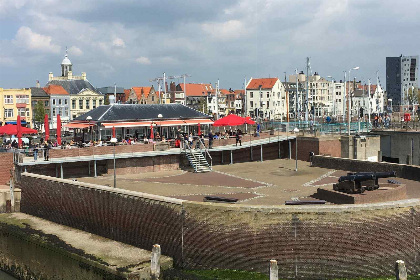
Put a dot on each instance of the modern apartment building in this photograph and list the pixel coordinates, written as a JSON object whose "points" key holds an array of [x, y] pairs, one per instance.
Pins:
{"points": [[401, 79]]}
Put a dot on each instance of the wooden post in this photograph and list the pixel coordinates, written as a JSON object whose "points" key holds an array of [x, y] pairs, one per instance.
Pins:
{"points": [[274, 270], [400, 270], [155, 262]]}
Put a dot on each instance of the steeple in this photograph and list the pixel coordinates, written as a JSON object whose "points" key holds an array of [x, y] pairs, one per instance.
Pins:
{"points": [[66, 66]]}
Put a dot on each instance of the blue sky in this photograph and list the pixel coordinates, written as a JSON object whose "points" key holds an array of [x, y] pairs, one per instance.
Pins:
{"points": [[129, 42]]}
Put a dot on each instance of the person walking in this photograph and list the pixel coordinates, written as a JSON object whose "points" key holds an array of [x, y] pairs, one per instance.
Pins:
{"points": [[47, 147], [238, 138]]}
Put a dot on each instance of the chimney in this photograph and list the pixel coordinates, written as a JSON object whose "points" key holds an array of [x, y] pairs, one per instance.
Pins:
{"points": [[84, 76], [50, 76], [37, 84], [70, 75]]}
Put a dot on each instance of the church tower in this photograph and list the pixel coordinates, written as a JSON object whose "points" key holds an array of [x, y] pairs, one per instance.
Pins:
{"points": [[66, 66]]}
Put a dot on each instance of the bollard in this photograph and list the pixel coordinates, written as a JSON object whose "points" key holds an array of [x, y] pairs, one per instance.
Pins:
{"points": [[274, 270], [155, 262], [400, 270], [379, 156]]}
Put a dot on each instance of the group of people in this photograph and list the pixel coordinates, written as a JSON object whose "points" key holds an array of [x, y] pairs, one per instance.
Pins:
{"points": [[381, 121]]}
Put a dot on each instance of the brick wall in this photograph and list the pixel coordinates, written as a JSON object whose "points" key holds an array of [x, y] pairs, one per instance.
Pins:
{"points": [[318, 145], [411, 172], [6, 163], [316, 242]]}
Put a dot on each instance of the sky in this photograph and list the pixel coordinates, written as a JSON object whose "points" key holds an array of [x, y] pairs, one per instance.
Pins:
{"points": [[130, 42]]}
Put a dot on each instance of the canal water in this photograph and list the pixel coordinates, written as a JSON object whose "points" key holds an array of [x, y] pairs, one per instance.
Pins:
{"points": [[5, 276]]}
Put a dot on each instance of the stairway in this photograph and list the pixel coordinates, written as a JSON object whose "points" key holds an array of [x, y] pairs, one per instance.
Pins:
{"points": [[197, 161]]}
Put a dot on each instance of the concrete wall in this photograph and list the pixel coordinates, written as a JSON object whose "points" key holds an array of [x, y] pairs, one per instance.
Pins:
{"points": [[360, 147], [400, 145], [310, 242], [90, 151]]}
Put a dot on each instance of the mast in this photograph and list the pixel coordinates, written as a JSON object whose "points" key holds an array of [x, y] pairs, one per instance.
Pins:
{"points": [[307, 90]]}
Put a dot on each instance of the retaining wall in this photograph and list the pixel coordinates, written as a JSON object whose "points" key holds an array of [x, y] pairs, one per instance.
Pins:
{"points": [[411, 172], [310, 242]]}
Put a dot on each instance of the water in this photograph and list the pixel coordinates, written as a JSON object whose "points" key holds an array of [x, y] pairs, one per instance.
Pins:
{"points": [[5, 276]]}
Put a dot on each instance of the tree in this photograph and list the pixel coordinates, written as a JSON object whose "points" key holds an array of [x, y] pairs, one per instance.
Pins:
{"points": [[106, 100], [39, 112], [413, 95]]}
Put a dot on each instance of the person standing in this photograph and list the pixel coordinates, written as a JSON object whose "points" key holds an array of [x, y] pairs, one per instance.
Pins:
{"points": [[36, 152], [238, 138], [47, 147], [210, 139]]}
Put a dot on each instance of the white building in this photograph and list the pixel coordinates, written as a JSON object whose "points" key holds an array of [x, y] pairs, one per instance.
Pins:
{"points": [[338, 99], [266, 98]]}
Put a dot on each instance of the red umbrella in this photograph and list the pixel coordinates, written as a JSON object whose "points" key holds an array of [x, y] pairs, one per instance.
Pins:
{"points": [[59, 129], [19, 131], [151, 132], [47, 128], [113, 132], [230, 120], [248, 120], [11, 129], [199, 129]]}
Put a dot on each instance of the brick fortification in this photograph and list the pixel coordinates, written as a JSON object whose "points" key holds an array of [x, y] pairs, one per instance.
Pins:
{"points": [[315, 242]]}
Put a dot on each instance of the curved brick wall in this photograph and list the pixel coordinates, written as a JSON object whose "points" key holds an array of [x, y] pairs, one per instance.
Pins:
{"points": [[310, 242]]}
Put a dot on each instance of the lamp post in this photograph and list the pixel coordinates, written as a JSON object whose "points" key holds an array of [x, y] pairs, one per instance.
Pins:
{"points": [[89, 118], [160, 116], [296, 131], [349, 100], [114, 142]]}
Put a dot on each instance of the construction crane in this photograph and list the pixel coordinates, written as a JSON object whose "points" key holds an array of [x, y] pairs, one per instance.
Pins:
{"points": [[158, 80], [185, 87]]}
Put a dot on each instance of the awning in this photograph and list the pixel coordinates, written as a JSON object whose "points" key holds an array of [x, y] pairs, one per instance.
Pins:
{"points": [[77, 125], [127, 124], [198, 121]]}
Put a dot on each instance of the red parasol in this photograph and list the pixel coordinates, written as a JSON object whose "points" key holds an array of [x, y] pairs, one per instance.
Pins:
{"points": [[11, 129], [199, 129], [47, 128], [230, 120], [151, 132], [59, 129], [248, 120], [19, 131], [113, 132]]}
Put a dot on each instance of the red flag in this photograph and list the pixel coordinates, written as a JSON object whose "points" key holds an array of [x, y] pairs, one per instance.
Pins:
{"points": [[47, 128], [113, 132], [19, 132], [199, 129], [59, 129]]}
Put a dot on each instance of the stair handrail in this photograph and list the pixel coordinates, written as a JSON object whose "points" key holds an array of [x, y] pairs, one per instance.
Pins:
{"points": [[186, 144], [207, 152]]}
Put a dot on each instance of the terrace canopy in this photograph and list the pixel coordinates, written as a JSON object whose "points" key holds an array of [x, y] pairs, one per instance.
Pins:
{"points": [[232, 120]]}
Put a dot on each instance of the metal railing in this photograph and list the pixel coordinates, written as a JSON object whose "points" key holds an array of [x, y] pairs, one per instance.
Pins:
{"points": [[206, 152]]}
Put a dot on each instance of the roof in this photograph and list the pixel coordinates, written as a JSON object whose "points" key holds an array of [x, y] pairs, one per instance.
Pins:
{"points": [[110, 90], [55, 89], [138, 112], [265, 83], [138, 91], [38, 92], [127, 93], [225, 91], [197, 89], [73, 86]]}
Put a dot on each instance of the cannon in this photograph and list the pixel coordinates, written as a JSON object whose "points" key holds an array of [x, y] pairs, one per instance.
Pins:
{"points": [[359, 182]]}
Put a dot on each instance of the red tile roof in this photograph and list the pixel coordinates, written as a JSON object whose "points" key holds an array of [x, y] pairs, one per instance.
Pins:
{"points": [[55, 89], [198, 89], [225, 91], [266, 83], [139, 90], [126, 93]]}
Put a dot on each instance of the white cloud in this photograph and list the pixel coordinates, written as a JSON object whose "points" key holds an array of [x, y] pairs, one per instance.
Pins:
{"points": [[118, 42], [73, 50], [143, 60], [30, 40], [6, 61], [231, 29]]}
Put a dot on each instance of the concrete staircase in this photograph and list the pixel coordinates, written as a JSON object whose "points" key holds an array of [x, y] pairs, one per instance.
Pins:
{"points": [[197, 161]]}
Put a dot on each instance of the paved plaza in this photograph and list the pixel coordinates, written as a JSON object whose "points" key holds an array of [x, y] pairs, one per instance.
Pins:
{"points": [[271, 182]]}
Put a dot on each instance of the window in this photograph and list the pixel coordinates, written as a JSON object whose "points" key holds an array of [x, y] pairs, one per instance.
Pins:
{"points": [[60, 112], [153, 98], [46, 103], [22, 99], [268, 95], [53, 101], [100, 102], [80, 104], [252, 94], [94, 104], [65, 101], [8, 99], [87, 104], [27, 112], [8, 113], [252, 103], [22, 112], [73, 104], [59, 101], [53, 112]]}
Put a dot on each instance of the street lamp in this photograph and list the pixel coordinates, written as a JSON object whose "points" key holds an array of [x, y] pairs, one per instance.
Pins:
{"points": [[296, 131], [390, 100], [114, 142], [89, 118], [349, 100]]}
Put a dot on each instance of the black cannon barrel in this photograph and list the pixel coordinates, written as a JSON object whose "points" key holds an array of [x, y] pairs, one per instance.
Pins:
{"points": [[385, 174], [357, 177]]}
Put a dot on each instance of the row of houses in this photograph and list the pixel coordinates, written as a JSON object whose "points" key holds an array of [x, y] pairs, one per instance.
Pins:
{"points": [[71, 96]]}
